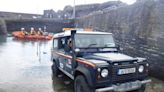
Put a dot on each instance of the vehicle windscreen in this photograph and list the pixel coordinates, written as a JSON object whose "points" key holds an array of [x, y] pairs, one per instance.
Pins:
{"points": [[94, 40]]}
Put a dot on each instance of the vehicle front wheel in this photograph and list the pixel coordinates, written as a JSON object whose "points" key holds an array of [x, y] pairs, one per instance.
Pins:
{"points": [[81, 85]]}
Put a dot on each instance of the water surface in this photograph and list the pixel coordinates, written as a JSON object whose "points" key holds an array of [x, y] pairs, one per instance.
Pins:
{"points": [[25, 66]]}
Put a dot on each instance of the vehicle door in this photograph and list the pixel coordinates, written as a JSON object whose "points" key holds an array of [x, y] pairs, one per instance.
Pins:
{"points": [[61, 53], [68, 53]]}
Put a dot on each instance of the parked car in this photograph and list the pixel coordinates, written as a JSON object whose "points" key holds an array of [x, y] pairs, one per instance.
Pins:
{"points": [[93, 61]]}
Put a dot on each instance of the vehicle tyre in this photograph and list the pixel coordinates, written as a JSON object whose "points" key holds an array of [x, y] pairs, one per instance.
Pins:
{"points": [[81, 85], [55, 70], [142, 89]]}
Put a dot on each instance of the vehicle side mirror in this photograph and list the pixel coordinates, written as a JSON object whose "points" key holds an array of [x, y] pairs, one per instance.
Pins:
{"points": [[77, 50], [119, 48]]}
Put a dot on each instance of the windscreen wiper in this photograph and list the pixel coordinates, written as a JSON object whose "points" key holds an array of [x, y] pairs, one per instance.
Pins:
{"points": [[90, 45], [108, 45]]}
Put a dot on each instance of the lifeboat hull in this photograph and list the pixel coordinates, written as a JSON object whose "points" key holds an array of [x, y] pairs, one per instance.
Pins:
{"points": [[20, 35]]}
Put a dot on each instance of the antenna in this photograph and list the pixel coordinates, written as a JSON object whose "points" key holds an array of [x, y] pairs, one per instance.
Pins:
{"points": [[74, 10], [84, 1]]}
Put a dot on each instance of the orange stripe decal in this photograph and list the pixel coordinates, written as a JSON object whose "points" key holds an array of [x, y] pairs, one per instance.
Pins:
{"points": [[67, 56], [86, 62], [78, 60]]}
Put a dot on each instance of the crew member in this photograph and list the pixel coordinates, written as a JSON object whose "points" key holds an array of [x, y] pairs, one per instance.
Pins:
{"points": [[69, 45], [32, 32], [40, 32], [22, 31]]}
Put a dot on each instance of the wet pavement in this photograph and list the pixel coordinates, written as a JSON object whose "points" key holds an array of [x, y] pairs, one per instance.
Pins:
{"points": [[25, 66], [155, 86]]}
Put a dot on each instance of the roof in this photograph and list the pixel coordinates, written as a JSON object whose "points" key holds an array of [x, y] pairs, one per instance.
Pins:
{"points": [[68, 33]]}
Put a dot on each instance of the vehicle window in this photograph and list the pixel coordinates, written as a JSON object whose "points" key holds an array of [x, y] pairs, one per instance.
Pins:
{"points": [[55, 43], [68, 44], [94, 40], [61, 43]]}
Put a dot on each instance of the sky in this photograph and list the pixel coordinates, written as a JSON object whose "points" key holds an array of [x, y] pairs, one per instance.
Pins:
{"points": [[37, 6]]}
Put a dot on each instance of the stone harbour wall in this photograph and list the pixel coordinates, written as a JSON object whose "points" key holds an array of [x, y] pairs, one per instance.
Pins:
{"points": [[3, 28], [137, 28]]}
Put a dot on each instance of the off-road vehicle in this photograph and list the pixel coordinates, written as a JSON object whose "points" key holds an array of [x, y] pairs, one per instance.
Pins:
{"points": [[93, 61]]}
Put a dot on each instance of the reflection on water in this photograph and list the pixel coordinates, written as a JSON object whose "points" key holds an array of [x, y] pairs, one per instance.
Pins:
{"points": [[36, 71], [3, 39]]}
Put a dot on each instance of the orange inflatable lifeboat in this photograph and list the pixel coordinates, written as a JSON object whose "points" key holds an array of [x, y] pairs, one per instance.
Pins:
{"points": [[24, 35]]}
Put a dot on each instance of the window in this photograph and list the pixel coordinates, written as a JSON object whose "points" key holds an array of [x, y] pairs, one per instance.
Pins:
{"points": [[55, 43], [61, 43], [94, 40]]}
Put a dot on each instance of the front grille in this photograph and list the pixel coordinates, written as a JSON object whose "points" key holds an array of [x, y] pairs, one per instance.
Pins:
{"points": [[125, 77]]}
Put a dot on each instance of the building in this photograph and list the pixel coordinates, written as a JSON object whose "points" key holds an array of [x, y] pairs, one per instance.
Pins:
{"points": [[50, 14]]}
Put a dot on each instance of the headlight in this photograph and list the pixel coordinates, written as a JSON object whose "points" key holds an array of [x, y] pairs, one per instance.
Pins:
{"points": [[141, 68], [104, 73]]}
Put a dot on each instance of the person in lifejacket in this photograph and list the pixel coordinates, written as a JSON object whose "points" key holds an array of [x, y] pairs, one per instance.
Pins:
{"points": [[32, 32], [40, 32], [23, 32]]}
